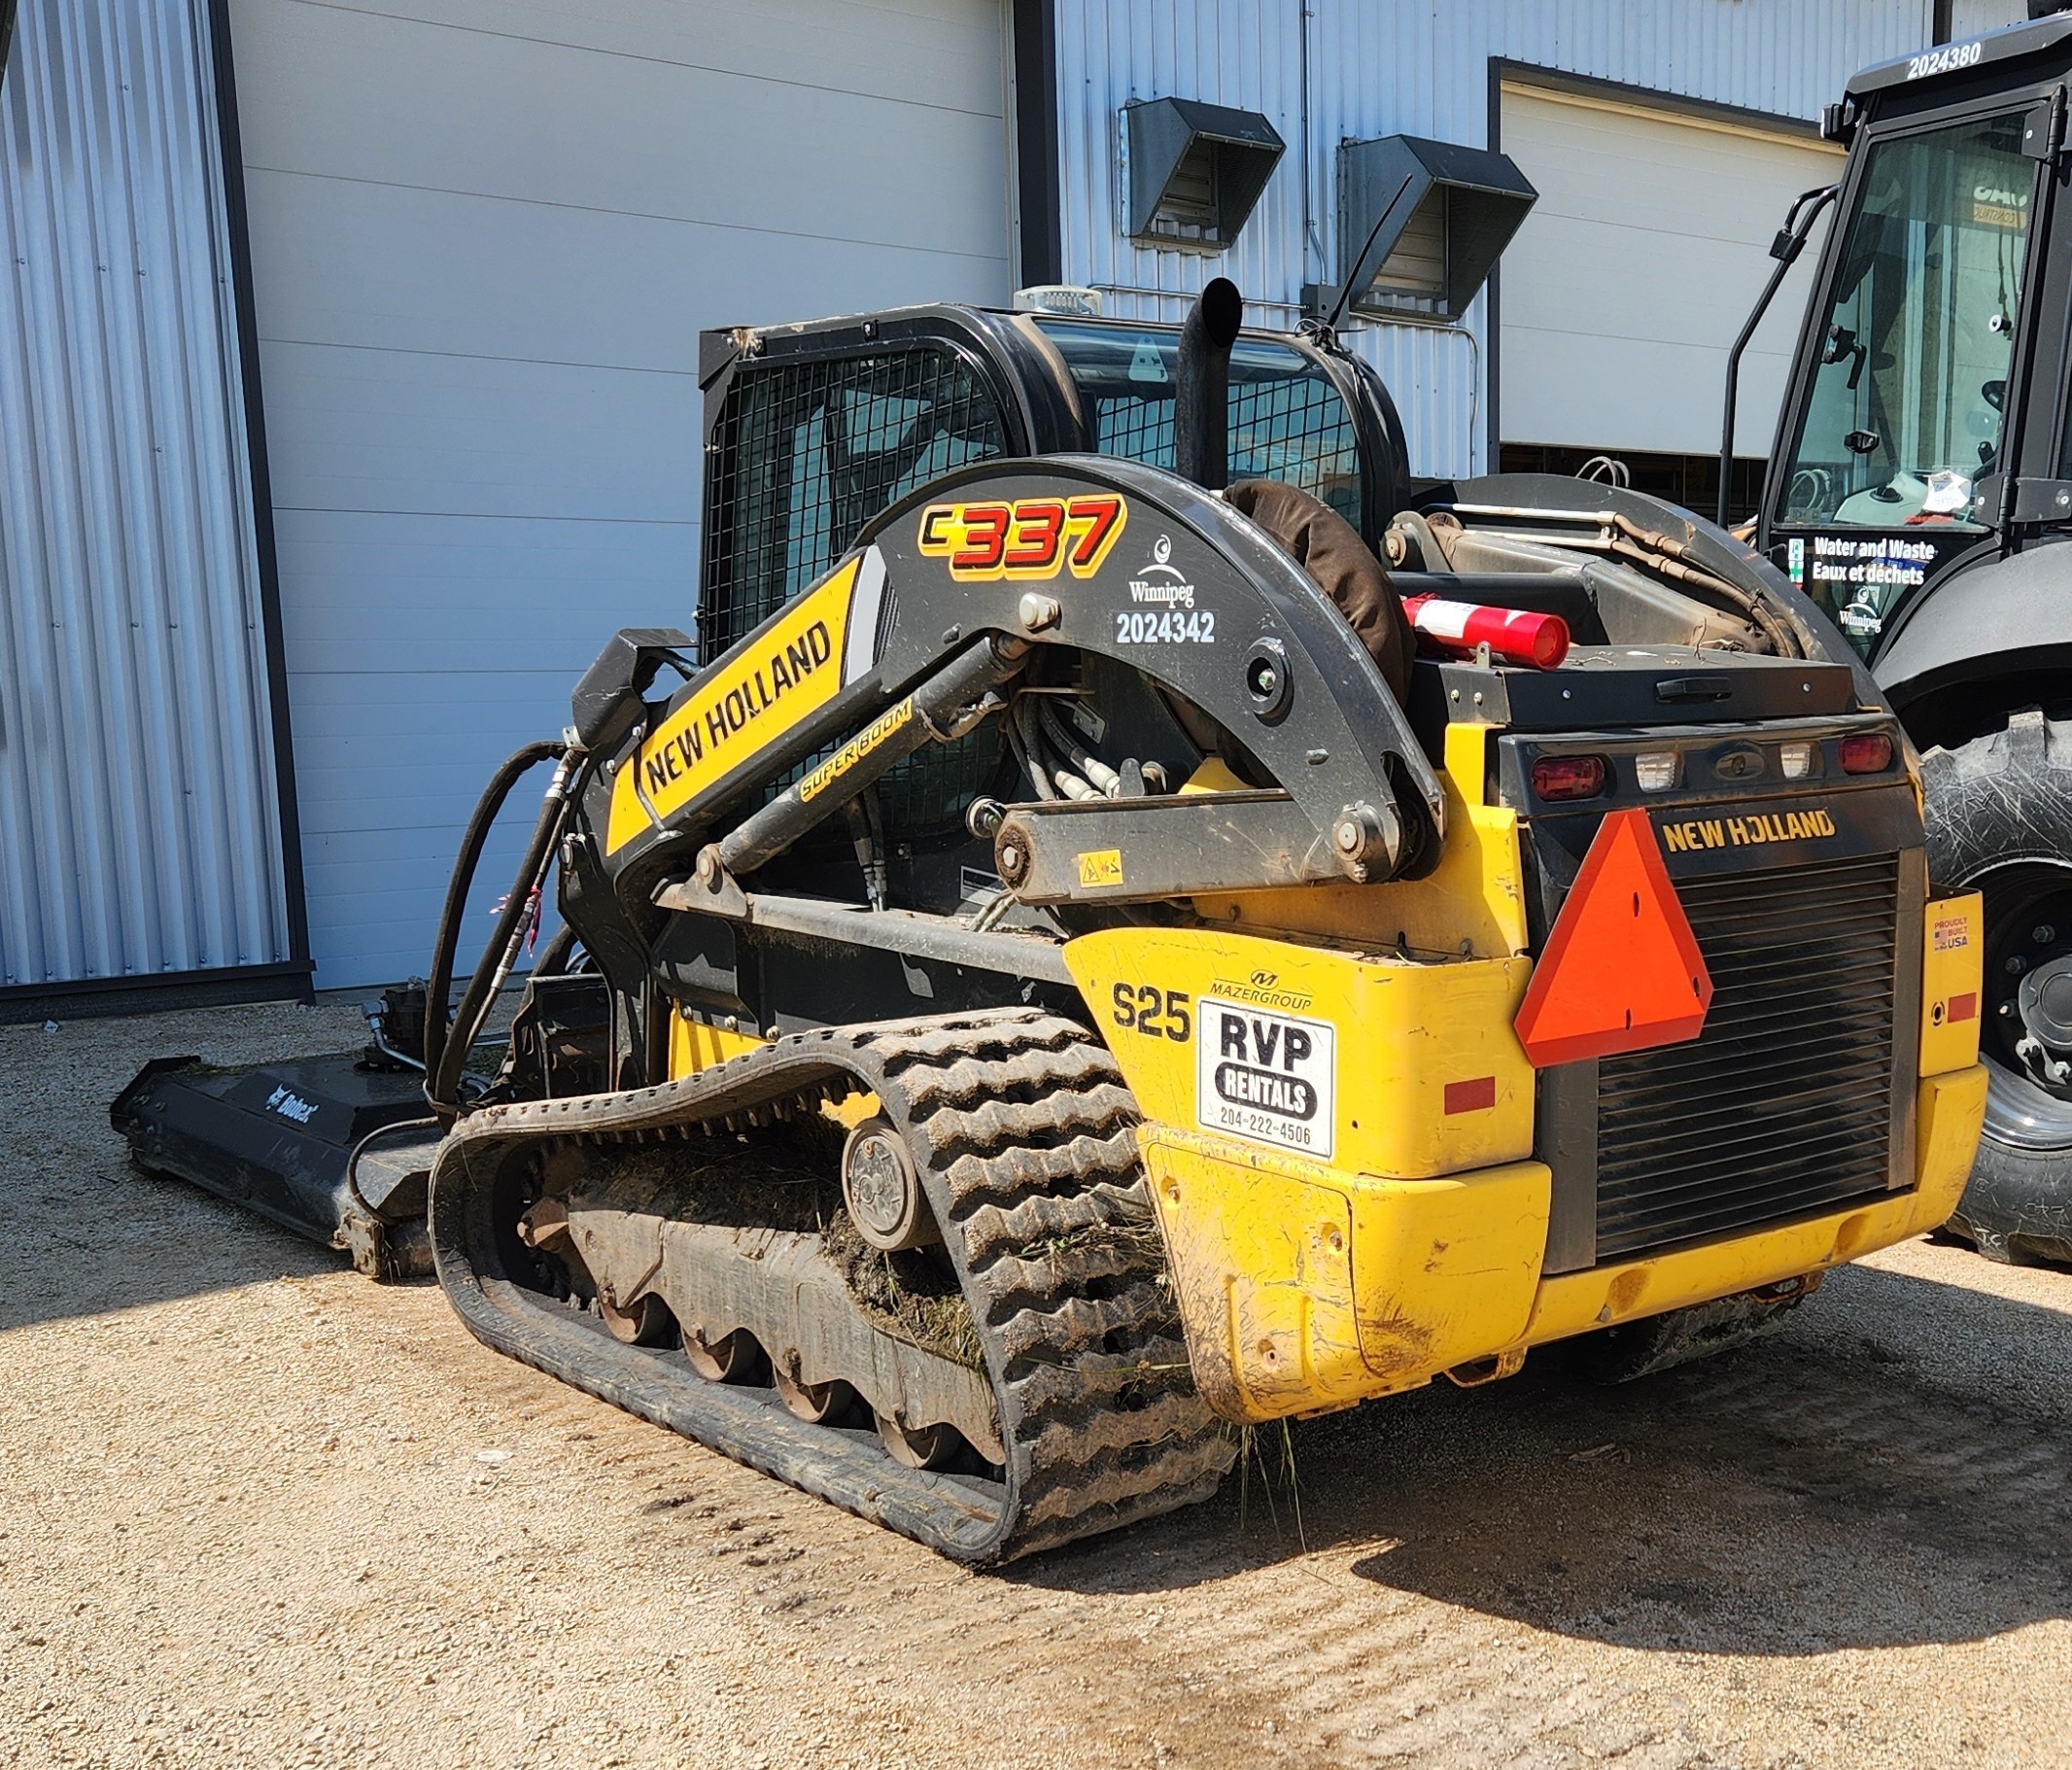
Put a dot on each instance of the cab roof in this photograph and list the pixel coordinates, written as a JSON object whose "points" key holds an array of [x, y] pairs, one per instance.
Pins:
{"points": [[1966, 56]]}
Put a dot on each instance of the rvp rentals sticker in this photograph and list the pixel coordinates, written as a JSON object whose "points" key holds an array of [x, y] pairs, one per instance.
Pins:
{"points": [[1269, 1077]]}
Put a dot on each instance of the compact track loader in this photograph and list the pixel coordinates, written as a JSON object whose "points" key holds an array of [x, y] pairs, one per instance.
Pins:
{"points": [[1045, 974]]}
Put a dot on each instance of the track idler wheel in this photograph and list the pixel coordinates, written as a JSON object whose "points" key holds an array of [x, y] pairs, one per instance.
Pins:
{"points": [[816, 1403], [647, 1322], [884, 1191]]}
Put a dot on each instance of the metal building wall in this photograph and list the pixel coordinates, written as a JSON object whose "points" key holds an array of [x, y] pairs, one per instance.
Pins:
{"points": [[1975, 17], [139, 811], [485, 235], [1386, 67]]}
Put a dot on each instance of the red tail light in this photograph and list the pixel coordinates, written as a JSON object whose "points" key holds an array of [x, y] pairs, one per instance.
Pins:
{"points": [[1868, 753], [1569, 777]]}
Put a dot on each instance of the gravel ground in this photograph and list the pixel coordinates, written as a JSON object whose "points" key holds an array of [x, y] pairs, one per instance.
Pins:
{"points": [[256, 1511]]}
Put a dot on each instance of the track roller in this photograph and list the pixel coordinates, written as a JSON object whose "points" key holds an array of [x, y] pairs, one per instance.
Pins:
{"points": [[1024, 1365]]}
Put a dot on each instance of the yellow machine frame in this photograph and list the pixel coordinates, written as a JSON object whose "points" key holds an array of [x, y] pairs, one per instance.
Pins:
{"points": [[1414, 1248], [1398, 1231]]}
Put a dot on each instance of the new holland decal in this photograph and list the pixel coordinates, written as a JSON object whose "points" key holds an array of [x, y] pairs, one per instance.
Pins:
{"points": [[1032, 538], [1695, 833], [783, 673]]}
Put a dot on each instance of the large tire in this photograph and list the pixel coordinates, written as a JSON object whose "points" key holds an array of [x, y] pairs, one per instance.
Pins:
{"points": [[2000, 822]]}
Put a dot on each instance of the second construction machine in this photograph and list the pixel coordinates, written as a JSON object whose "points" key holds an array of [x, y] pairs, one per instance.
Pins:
{"points": [[1034, 991]]}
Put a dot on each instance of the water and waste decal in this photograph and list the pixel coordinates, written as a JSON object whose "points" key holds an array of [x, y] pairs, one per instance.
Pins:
{"points": [[1862, 578]]}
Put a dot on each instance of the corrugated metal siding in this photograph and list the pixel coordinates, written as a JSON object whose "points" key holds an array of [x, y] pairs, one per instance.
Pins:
{"points": [[1975, 17], [1386, 67], [139, 814]]}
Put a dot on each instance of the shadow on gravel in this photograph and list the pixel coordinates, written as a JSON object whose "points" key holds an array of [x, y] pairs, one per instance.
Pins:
{"points": [[129, 1241], [83, 1231], [1851, 1484]]}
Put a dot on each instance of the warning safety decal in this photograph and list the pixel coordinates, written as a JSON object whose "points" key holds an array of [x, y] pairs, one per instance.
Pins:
{"points": [[1270, 1076]]}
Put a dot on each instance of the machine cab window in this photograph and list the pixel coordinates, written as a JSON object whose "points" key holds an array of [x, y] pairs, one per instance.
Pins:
{"points": [[1904, 411], [1288, 421]]}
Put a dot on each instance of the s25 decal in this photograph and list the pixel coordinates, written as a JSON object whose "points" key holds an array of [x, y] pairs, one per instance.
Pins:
{"points": [[1032, 538]]}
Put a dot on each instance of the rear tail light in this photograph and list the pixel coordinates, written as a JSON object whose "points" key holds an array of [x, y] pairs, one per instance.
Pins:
{"points": [[1569, 777], [1868, 753], [1656, 769], [1795, 761]]}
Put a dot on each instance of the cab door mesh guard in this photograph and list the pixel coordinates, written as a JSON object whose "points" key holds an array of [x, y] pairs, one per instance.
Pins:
{"points": [[803, 455]]}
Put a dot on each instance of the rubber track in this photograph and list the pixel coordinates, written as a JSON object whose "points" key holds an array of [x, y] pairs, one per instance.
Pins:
{"points": [[1025, 1140]]}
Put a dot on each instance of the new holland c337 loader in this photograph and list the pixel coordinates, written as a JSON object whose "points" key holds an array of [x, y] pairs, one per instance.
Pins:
{"points": [[1047, 975]]}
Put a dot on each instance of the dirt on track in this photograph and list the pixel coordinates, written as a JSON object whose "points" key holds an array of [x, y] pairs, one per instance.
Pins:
{"points": [[254, 1509]]}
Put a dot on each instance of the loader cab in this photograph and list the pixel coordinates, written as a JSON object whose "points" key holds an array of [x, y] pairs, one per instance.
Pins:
{"points": [[813, 429], [1925, 416]]}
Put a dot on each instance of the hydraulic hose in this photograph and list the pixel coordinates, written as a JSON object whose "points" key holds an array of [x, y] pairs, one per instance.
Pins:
{"points": [[506, 941], [447, 1043], [1665, 554]]}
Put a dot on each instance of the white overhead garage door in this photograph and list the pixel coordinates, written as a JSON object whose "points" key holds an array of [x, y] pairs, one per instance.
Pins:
{"points": [[1635, 270], [485, 235]]}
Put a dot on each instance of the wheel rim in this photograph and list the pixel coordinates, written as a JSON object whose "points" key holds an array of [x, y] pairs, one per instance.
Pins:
{"points": [[2025, 903], [917, 1448]]}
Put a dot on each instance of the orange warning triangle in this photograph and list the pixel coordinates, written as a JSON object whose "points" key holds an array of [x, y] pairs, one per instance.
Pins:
{"points": [[1621, 970]]}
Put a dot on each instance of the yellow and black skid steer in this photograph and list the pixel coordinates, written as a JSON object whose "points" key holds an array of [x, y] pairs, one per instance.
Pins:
{"points": [[1046, 974]]}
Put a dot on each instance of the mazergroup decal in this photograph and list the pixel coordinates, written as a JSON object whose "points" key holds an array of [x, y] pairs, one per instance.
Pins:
{"points": [[1269, 1077], [1032, 538], [1262, 989]]}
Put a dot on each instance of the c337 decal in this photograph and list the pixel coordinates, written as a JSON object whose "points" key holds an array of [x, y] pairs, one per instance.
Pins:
{"points": [[1032, 538], [783, 675]]}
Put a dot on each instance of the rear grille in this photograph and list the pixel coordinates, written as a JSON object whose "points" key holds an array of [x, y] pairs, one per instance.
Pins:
{"points": [[1784, 1105]]}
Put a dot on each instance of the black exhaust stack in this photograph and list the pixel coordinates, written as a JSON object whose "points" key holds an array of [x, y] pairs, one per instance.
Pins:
{"points": [[1201, 403]]}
